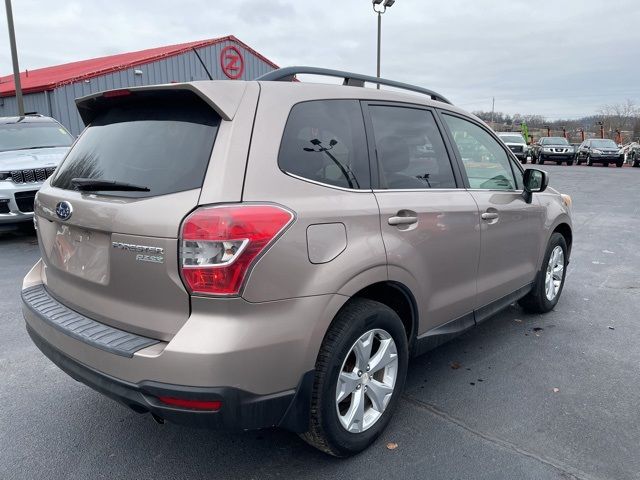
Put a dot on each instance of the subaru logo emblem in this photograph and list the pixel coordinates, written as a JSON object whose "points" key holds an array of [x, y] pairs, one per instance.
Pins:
{"points": [[64, 210]]}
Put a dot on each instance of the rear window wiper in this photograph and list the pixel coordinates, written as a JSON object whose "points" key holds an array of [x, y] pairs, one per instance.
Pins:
{"points": [[96, 185]]}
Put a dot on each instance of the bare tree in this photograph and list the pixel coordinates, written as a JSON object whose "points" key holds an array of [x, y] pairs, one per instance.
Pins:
{"points": [[619, 116]]}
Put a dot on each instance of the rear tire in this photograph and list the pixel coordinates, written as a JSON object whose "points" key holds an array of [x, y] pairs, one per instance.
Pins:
{"points": [[338, 359], [538, 300]]}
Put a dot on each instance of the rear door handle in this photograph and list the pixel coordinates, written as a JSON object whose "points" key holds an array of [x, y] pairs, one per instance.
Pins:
{"points": [[489, 216], [409, 220]]}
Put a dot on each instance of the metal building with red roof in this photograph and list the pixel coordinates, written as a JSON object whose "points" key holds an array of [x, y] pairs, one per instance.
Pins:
{"points": [[52, 90]]}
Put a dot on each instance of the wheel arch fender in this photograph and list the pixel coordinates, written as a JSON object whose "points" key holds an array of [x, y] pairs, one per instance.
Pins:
{"points": [[561, 223], [365, 285]]}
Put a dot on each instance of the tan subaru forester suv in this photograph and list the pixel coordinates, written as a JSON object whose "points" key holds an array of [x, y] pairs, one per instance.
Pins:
{"points": [[243, 255]]}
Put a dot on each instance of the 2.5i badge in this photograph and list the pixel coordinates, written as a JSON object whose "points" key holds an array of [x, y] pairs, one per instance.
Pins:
{"points": [[150, 258]]}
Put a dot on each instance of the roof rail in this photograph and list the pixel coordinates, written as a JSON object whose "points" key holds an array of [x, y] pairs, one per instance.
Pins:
{"points": [[352, 79]]}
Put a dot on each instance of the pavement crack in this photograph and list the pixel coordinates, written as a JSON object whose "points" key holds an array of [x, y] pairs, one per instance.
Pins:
{"points": [[567, 470]]}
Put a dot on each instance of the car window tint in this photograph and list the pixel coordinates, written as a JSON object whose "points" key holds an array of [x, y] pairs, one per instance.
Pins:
{"points": [[162, 145], [410, 149], [324, 141], [485, 161]]}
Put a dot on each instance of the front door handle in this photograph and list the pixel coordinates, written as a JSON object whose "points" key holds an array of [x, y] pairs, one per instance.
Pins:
{"points": [[490, 215], [408, 220]]}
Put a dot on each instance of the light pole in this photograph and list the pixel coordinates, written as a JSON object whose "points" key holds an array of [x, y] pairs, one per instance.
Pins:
{"points": [[14, 58], [380, 6]]}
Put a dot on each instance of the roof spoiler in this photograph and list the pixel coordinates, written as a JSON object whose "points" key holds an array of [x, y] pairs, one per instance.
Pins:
{"points": [[223, 96]]}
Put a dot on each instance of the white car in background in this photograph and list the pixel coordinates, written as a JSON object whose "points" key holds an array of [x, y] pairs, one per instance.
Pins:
{"points": [[516, 143], [31, 147]]}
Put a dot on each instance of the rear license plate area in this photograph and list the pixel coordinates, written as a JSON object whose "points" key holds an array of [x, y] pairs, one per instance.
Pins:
{"points": [[77, 251]]}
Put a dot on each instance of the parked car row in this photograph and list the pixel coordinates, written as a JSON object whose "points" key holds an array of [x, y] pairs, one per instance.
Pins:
{"points": [[558, 150]]}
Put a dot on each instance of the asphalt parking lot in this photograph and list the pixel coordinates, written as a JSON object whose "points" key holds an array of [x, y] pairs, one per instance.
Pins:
{"points": [[520, 397]]}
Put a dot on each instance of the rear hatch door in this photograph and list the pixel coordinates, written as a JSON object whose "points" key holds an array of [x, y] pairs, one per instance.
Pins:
{"points": [[111, 251]]}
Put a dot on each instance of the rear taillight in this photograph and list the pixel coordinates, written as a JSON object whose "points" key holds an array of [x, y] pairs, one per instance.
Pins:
{"points": [[218, 245]]}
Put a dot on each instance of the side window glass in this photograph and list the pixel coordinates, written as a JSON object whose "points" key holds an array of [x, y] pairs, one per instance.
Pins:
{"points": [[517, 173], [324, 141], [485, 161], [410, 150]]}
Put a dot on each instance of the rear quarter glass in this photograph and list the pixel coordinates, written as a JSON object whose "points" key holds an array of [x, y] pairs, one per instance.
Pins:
{"points": [[324, 141], [160, 142]]}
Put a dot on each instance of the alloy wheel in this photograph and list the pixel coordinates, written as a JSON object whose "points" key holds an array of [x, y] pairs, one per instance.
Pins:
{"points": [[554, 274], [367, 380]]}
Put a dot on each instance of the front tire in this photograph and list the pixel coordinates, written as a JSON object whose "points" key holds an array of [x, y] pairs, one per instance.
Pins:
{"points": [[360, 375], [550, 279], [635, 162], [619, 164]]}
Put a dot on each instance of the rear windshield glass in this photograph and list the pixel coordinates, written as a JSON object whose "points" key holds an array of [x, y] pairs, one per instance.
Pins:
{"points": [[162, 143], [512, 139], [28, 136]]}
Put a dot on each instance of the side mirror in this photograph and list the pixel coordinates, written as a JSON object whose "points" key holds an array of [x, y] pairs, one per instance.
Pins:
{"points": [[534, 181]]}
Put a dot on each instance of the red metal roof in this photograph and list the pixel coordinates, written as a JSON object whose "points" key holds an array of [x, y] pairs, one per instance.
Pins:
{"points": [[50, 77]]}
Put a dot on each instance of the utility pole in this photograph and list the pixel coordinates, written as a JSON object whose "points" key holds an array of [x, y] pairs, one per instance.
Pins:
{"points": [[493, 109], [379, 41], [14, 58]]}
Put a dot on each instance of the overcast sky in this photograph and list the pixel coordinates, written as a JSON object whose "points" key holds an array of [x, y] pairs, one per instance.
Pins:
{"points": [[559, 59]]}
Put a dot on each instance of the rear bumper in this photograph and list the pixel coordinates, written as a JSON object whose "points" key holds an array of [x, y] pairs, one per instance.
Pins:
{"points": [[257, 358], [240, 410]]}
